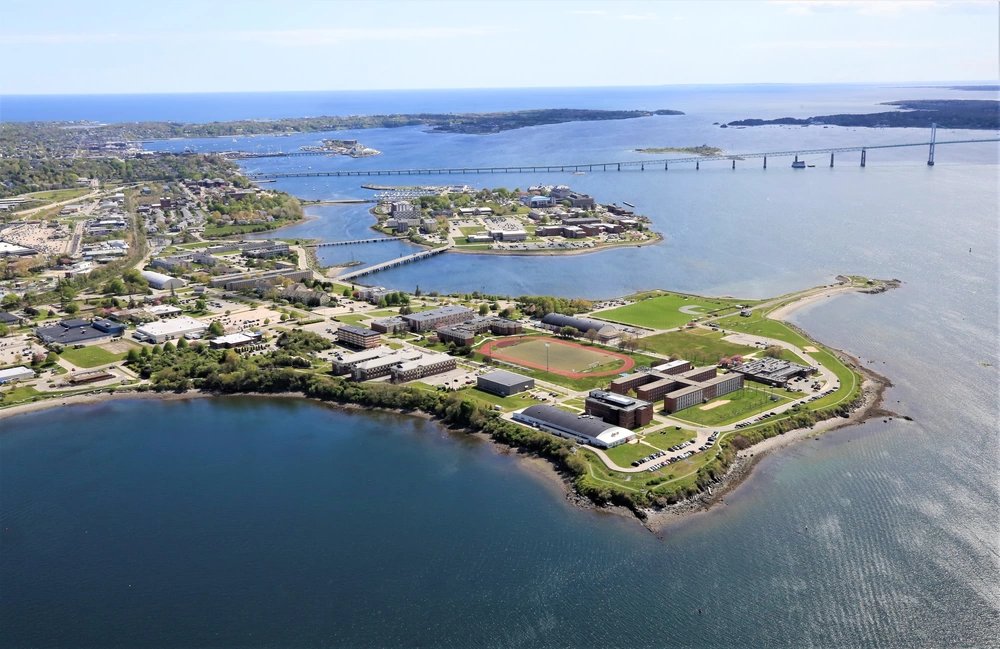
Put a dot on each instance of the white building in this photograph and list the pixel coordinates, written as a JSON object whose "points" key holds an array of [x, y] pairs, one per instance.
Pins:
{"points": [[162, 282], [172, 329], [19, 373]]}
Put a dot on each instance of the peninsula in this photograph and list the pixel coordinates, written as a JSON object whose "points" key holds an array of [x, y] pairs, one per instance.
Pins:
{"points": [[980, 114]]}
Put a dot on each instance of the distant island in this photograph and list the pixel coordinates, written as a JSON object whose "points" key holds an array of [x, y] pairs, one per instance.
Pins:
{"points": [[980, 114], [704, 149], [351, 148]]}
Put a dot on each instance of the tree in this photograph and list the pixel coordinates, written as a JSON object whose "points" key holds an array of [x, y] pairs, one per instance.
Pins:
{"points": [[216, 328], [484, 309], [182, 343], [591, 335], [200, 305], [71, 308], [773, 351], [4, 330], [567, 332]]}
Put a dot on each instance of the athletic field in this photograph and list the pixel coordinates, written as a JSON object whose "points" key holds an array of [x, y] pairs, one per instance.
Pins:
{"points": [[564, 357]]}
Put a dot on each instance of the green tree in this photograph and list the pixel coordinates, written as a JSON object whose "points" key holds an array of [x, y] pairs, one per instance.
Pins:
{"points": [[216, 328], [484, 309]]}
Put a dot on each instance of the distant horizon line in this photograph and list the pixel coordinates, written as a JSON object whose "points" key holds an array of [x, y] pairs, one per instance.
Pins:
{"points": [[901, 84]]}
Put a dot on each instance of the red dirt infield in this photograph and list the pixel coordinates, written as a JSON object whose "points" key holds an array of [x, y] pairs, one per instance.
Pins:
{"points": [[494, 349]]}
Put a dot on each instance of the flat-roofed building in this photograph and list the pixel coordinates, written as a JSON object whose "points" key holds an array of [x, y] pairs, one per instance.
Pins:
{"points": [[503, 383], [426, 365], [360, 337], [392, 325], [618, 409], [382, 365], [173, 329], [440, 317], [605, 331], [772, 371], [585, 429], [458, 334], [239, 339], [344, 363], [12, 374], [678, 384], [77, 331]]}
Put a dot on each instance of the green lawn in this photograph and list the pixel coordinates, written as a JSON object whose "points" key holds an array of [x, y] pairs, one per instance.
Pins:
{"points": [[19, 395], [700, 346], [56, 195], [669, 436], [663, 311], [513, 402], [624, 454], [586, 383], [90, 356], [352, 318], [741, 404]]}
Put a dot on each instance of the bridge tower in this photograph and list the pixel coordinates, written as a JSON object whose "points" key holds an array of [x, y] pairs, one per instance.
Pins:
{"points": [[863, 157], [930, 156]]}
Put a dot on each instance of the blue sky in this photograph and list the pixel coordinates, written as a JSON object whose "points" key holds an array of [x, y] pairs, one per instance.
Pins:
{"points": [[178, 46]]}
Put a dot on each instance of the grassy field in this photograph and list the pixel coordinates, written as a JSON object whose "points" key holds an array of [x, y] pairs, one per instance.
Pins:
{"points": [[663, 311], [56, 195], [90, 356], [667, 437], [513, 402], [700, 346], [624, 454], [560, 356], [352, 318], [741, 404]]}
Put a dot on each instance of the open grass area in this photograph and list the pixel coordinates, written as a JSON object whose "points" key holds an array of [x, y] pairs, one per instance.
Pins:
{"points": [[737, 405], [624, 454], [18, 395], [664, 311], [56, 195], [92, 356], [698, 345], [669, 436], [513, 402], [352, 318]]}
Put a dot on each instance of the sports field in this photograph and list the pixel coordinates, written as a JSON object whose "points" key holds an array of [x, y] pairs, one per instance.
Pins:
{"points": [[563, 357], [665, 311]]}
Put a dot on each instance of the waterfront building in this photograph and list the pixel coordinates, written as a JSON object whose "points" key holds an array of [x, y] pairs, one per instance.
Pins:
{"points": [[772, 371], [442, 316], [382, 365], [585, 429], [19, 373], [678, 384], [503, 383], [618, 409], [426, 365]]}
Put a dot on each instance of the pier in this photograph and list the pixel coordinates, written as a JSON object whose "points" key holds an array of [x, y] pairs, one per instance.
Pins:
{"points": [[393, 263], [638, 165]]}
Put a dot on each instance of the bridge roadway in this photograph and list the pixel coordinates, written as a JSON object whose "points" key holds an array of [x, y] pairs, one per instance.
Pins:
{"points": [[392, 263], [355, 241], [604, 166]]}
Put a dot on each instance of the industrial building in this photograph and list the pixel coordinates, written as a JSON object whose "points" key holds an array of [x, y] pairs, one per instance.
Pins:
{"points": [[172, 329], [12, 374], [618, 409], [162, 282], [76, 331], [440, 317], [503, 383], [239, 339], [605, 331], [772, 371], [585, 429], [426, 365], [359, 337]]}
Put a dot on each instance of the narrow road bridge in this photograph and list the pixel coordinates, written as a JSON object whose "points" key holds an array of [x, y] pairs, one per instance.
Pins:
{"points": [[354, 242], [392, 263], [639, 165]]}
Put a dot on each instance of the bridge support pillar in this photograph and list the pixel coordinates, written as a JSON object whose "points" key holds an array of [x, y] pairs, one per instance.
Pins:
{"points": [[831, 161], [642, 167], [765, 162], [619, 166], [697, 166], [734, 164], [666, 166], [863, 152]]}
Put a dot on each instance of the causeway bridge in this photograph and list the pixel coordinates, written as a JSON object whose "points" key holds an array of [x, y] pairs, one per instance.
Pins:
{"points": [[633, 165], [392, 263], [326, 244]]}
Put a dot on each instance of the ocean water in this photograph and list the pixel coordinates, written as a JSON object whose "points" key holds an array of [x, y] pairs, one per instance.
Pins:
{"points": [[242, 522]]}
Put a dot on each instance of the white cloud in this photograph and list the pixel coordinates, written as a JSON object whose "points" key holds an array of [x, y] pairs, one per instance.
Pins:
{"points": [[862, 7]]}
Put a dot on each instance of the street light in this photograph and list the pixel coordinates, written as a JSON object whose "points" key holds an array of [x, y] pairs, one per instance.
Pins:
{"points": [[546, 357]]}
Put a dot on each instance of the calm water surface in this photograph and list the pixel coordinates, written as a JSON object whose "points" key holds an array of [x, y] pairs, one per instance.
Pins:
{"points": [[242, 522]]}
